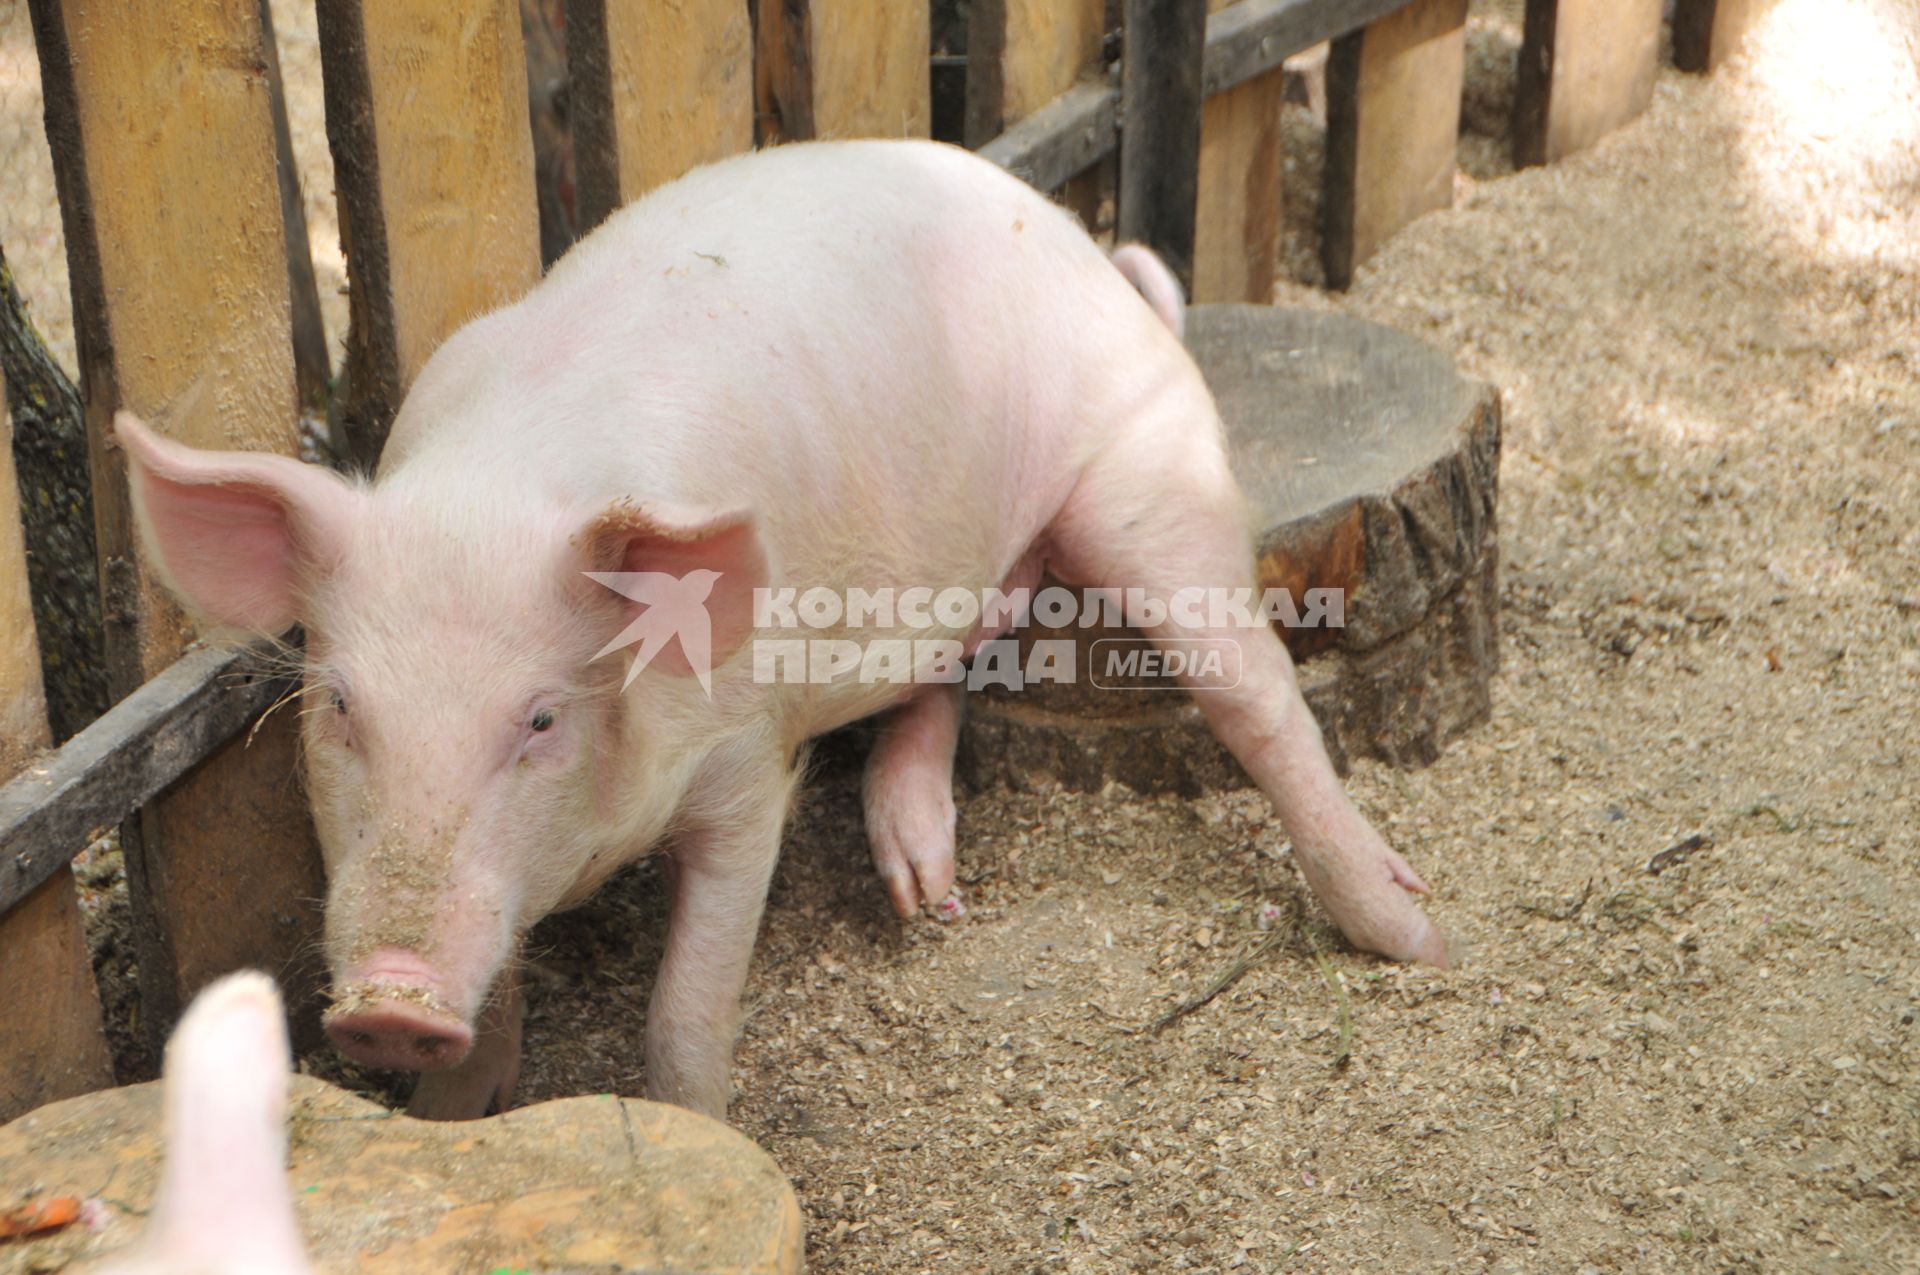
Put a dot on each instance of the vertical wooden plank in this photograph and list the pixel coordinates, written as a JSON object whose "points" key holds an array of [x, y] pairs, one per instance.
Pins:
{"points": [[1236, 249], [51, 1045], [1708, 32], [1393, 118], [433, 157], [1021, 54], [842, 68], [1160, 132], [1586, 68], [162, 139], [656, 90]]}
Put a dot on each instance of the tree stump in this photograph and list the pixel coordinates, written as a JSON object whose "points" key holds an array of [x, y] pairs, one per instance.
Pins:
{"points": [[1370, 466], [586, 1184]]}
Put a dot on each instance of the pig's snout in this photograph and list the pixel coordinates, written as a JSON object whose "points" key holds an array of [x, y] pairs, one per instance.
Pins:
{"points": [[398, 1023]]}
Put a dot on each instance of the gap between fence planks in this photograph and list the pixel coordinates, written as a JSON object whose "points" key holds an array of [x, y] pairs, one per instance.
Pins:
{"points": [[184, 319], [656, 90], [51, 1042]]}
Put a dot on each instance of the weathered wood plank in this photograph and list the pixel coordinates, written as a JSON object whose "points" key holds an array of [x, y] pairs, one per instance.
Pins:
{"points": [[1062, 138], [1708, 32], [182, 318], [1586, 68], [1081, 126], [1165, 41], [139, 748], [433, 157], [1236, 248], [1393, 118], [1255, 36], [656, 90], [1021, 55], [51, 1044], [842, 68]]}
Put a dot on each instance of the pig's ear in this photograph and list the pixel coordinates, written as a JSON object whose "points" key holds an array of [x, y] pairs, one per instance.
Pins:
{"points": [[680, 543], [235, 534]]}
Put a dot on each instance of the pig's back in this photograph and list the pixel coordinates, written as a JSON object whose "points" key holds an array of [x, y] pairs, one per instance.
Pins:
{"points": [[897, 354]]}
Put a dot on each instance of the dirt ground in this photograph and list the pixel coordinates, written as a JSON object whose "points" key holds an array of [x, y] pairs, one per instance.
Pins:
{"points": [[1707, 334]]}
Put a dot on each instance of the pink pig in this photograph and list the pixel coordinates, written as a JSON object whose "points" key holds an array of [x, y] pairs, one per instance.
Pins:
{"points": [[845, 365], [224, 1205]]}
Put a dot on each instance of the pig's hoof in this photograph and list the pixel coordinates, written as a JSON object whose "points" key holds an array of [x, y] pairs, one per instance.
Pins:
{"points": [[951, 908], [913, 849]]}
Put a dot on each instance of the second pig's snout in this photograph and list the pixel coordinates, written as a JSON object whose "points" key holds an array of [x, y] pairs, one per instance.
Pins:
{"points": [[400, 1024]]}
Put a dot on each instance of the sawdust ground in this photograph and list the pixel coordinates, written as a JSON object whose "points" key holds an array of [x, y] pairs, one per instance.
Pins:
{"points": [[1705, 330]]}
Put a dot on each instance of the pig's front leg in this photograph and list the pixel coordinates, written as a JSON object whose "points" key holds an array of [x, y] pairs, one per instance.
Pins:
{"points": [[719, 871], [482, 1083], [908, 795]]}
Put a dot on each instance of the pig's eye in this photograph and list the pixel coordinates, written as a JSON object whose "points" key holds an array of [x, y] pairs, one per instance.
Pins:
{"points": [[338, 701], [542, 720]]}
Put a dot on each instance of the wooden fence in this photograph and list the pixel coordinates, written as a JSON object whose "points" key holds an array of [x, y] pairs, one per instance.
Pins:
{"points": [[166, 135]]}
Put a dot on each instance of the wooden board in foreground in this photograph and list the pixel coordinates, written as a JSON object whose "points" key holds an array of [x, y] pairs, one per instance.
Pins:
{"points": [[582, 1184], [1371, 467], [1586, 68]]}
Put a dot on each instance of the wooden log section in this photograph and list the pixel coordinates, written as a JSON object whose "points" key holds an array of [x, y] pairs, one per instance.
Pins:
{"points": [[1236, 249], [1393, 117], [182, 318], [51, 1044], [842, 68], [1708, 32], [1160, 71], [433, 157], [582, 1184], [1586, 68], [656, 90], [1371, 467]]}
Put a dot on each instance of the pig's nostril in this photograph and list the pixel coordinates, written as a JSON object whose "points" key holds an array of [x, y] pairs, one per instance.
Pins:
{"points": [[430, 1044], [360, 1038]]}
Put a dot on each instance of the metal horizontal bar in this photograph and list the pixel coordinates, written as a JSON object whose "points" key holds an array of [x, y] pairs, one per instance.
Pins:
{"points": [[55, 807]]}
